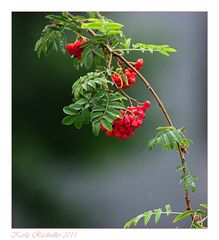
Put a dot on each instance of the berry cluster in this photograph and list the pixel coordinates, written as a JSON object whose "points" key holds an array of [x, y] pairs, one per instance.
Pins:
{"points": [[74, 48], [132, 119], [129, 73]]}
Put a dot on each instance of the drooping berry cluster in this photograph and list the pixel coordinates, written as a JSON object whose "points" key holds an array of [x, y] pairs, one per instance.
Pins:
{"points": [[132, 119], [129, 73], [74, 48]]}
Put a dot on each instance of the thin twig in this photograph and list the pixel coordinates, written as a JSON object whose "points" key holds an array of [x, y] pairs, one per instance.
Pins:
{"points": [[131, 98], [110, 60]]}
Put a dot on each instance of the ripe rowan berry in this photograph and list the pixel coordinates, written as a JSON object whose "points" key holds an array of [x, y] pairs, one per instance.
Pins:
{"points": [[74, 48], [132, 119], [139, 63], [131, 75]]}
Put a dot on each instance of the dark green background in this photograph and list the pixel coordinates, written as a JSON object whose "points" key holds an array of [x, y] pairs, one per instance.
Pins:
{"points": [[64, 177]]}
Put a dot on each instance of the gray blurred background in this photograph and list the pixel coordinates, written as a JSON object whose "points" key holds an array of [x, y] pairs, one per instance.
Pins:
{"points": [[64, 177]]}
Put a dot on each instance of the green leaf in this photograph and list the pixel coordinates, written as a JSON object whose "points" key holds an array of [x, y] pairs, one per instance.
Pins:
{"points": [[129, 223], [76, 63], [136, 219], [147, 217], [188, 181], [97, 61], [197, 225], [75, 106], [82, 101], [168, 49], [204, 205], [164, 53], [68, 120], [70, 111], [95, 25], [78, 122], [65, 14], [92, 84], [84, 86], [85, 116], [99, 94], [106, 124], [98, 108], [62, 42], [152, 143], [88, 60], [157, 214], [125, 79], [96, 114], [164, 128], [98, 52], [183, 215], [117, 105], [113, 32], [109, 71], [200, 212], [176, 135], [114, 112], [127, 43], [169, 144], [179, 167], [117, 96], [168, 209], [108, 117], [163, 49], [96, 128], [168, 137], [112, 25]]}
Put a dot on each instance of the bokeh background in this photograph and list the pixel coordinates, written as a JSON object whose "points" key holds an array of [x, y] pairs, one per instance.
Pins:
{"points": [[64, 177]]}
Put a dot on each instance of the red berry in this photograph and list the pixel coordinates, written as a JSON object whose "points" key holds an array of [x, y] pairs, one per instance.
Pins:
{"points": [[134, 124], [126, 120], [74, 48], [118, 134], [139, 63], [131, 80], [70, 48], [131, 133], [122, 112], [139, 122], [108, 133], [127, 73], [134, 75], [131, 118], [124, 136], [147, 104], [141, 115], [122, 129]]}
